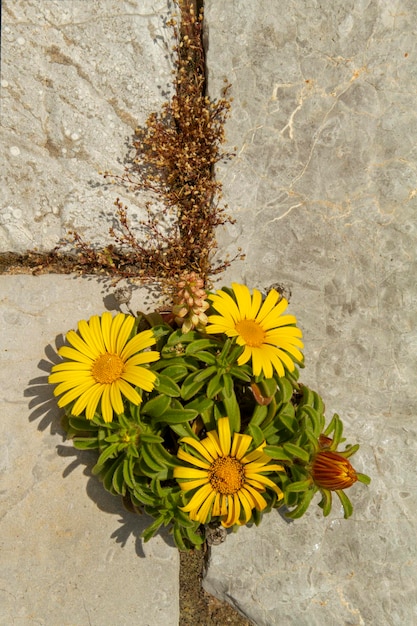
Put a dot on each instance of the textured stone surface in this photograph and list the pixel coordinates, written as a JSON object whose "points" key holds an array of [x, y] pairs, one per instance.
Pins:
{"points": [[71, 554], [77, 78], [324, 191]]}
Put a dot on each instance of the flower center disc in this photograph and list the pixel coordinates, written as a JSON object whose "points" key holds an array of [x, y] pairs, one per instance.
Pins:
{"points": [[251, 332], [226, 475], [107, 368]]}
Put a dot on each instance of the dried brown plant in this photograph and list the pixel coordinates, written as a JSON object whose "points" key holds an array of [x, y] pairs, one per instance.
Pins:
{"points": [[173, 160]]}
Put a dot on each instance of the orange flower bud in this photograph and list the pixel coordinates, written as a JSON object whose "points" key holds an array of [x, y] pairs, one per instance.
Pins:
{"points": [[332, 471]]}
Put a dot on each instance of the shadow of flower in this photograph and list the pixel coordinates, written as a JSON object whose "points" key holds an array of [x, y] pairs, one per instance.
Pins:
{"points": [[43, 407]]}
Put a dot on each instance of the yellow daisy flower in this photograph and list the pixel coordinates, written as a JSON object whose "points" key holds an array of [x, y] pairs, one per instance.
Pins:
{"points": [[229, 482], [270, 339], [104, 364]]}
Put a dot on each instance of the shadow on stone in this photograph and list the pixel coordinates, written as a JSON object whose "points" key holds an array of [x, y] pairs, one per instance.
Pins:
{"points": [[43, 407], [42, 403]]}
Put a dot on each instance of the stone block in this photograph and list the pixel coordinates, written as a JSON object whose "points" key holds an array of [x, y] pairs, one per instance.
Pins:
{"points": [[71, 554], [323, 189], [77, 78]]}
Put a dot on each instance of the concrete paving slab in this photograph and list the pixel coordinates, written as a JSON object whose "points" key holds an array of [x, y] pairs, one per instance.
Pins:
{"points": [[323, 189], [70, 554], [77, 78]]}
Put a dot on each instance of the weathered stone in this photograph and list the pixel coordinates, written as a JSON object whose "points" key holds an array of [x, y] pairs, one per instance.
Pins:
{"points": [[323, 189], [70, 552], [77, 78]]}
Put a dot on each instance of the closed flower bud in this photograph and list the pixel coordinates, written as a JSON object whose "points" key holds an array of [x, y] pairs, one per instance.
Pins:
{"points": [[330, 470]]}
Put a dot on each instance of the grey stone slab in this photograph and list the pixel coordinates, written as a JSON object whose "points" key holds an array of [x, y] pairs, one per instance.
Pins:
{"points": [[77, 78], [70, 554], [324, 192]]}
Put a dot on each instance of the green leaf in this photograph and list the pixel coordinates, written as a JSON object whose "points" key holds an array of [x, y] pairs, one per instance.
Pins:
{"points": [[296, 451], [128, 474], [302, 505], [165, 385], [200, 404], [259, 414], [107, 475], [215, 386], [285, 389], [277, 452], [108, 453], [363, 478], [228, 385], [118, 482], [183, 430], [268, 387], [151, 530], [157, 406], [256, 433], [79, 423], [196, 538], [177, 416], [346, 503], [190, 386], [231, 406], [178, 538], [86, 443], [201, 344], [179, 337], [150, 460], [205, 373], [206, 357], [143, 496], [238, 372], [175, 372], [150, 438], [287, 418], [301, 485], [326, 501]]}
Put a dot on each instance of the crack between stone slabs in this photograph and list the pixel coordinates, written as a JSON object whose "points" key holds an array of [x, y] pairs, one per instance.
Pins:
{"points": [[57, 261]]}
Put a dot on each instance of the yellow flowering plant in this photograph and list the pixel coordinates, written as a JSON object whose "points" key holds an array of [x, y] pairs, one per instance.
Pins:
{"points": [[198, 415]]}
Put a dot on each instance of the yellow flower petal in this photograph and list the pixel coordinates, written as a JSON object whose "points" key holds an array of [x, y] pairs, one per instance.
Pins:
{"points": [[233, 512], [223, 427], [93, 400], [114, 330], [240, 445], [139, 342], [189, 472], [80, 345], [185, 456], [141, 377], [198, 498], [195, 443], [74, 355], [120, 334], [91, 339], [189, 485], [129, 391], [204, 510], [106, 407], [70, 396], [116, 398], [142, 358], [106, 320]]}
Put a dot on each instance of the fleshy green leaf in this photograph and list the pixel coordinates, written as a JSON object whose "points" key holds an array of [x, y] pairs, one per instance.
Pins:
{"points": [[157, 406], [165, 385], [296, 451], [346, 503]]}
